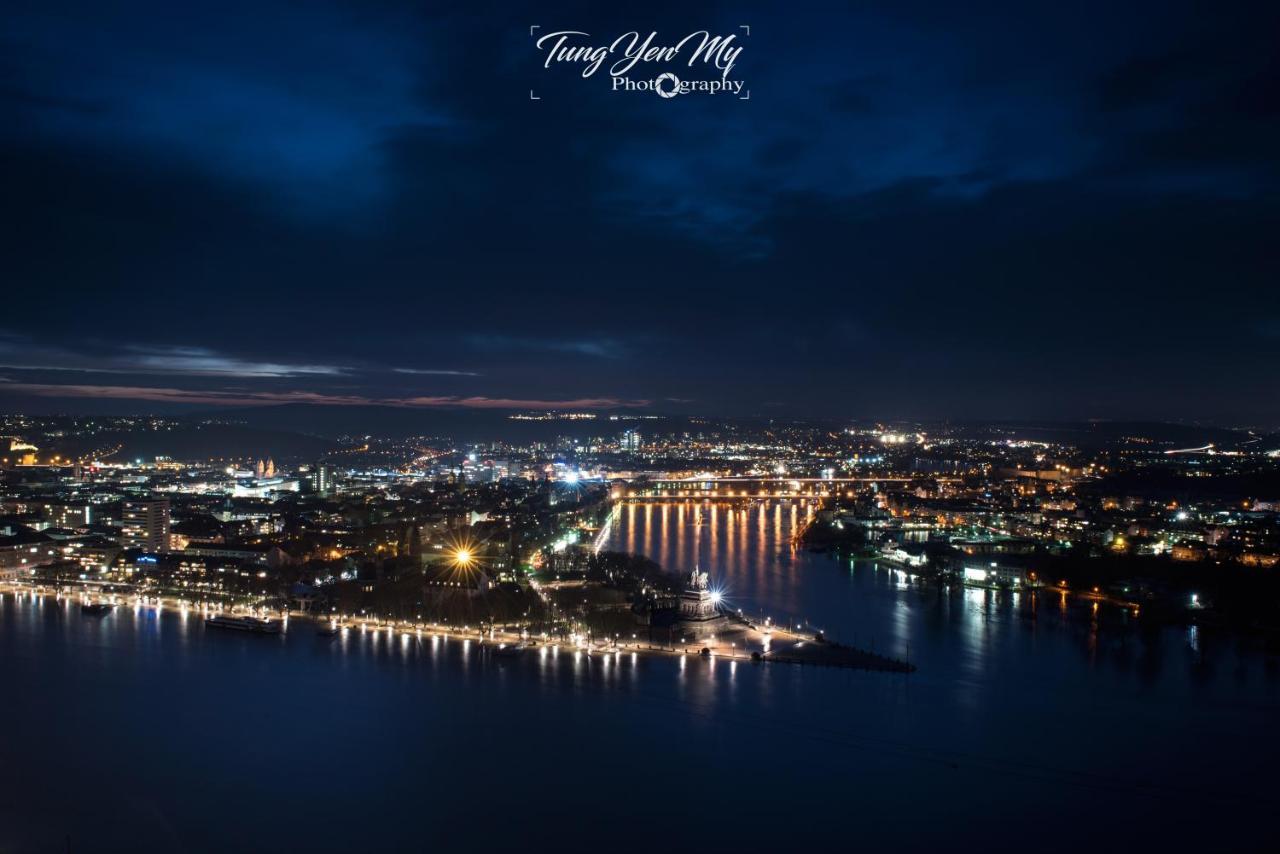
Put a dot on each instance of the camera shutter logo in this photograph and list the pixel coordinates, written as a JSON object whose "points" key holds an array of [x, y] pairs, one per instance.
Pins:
{"points": [[675, 85]]}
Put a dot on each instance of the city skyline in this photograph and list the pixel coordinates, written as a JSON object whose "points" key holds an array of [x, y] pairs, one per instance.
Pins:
{"points": [[228, 625], [696, 426], [921, 212]]}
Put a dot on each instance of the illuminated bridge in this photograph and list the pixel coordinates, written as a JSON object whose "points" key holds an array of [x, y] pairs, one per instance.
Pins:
{"points": [[750, 488]]}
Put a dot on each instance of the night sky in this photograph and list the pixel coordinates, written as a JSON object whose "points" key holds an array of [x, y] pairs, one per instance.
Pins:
{"points": [[960, 210]]}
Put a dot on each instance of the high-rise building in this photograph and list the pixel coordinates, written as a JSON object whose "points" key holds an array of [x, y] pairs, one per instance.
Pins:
{"points": [[146, 525], [630, 441], [322, 479]]}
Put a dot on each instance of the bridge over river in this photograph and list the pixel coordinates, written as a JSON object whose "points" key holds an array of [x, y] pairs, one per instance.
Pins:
{"points": [[748, 488]]}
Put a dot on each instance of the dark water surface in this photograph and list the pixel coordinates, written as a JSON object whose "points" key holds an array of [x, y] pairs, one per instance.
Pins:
{"points": [[1028, 726]]}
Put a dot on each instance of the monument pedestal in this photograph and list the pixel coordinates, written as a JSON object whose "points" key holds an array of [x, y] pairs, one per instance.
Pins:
{"points": [[700, 609]]}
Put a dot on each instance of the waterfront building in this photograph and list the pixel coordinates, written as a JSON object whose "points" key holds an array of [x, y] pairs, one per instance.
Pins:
{"points": [[21, 548], [984, 573]]}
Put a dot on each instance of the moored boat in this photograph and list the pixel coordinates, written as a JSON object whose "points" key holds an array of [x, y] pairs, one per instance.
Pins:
{"points": [[509, 650], [244, 623], [97, 609]]}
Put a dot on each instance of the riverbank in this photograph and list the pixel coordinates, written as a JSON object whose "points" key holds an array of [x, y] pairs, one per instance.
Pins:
{"points": [[744, 641]]}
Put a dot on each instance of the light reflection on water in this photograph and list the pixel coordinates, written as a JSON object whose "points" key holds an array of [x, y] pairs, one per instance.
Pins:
{"points": [[974, 633], [1021, 700]]}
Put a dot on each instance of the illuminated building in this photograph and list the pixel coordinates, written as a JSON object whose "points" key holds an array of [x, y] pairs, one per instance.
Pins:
{"points": [[322, 479], [22, 549], [69, 515], [146, 525], [265, 487]]}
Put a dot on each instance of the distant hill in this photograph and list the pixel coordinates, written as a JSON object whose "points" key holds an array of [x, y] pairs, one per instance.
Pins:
{"points": [[1166, 484], [1098, 434], [333, 421], [205, 441], [391, 421]]}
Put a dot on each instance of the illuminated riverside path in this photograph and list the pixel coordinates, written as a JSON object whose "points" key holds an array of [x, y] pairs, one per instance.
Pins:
{"points": [[774, 643], [1067, 730]]}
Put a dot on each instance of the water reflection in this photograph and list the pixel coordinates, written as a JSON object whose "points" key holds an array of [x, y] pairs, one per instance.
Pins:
{"points": [[1006, 708], [975, 633]]}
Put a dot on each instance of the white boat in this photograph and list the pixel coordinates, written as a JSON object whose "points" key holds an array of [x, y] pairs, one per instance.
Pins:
{"points": [[244, 624]]}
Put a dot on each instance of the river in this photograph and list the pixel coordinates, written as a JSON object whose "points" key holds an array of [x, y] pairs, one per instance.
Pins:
{"points": [[1037, 725]]}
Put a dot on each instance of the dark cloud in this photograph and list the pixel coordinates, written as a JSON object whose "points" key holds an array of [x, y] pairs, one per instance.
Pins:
{"points": [[924, 208], [603, 348], [857, 96]]}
